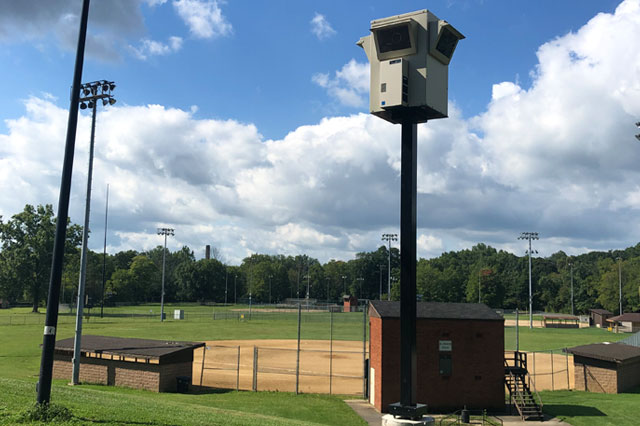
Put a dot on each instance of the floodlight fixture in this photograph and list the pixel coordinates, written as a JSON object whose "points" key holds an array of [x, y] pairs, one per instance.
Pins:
{"points": [[83, 105], [638, 135]]}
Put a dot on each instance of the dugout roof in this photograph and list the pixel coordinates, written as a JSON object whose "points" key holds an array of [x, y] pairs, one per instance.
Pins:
{"points": [[437, 310], [616, 352], [128, 349]]}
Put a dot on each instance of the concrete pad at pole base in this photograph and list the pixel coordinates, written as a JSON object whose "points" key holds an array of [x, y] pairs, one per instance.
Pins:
{"points": [[390, 420]]}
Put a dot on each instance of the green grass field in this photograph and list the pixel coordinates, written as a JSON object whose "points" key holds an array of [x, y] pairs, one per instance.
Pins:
{"points": [[21, 334], [593, 409]]}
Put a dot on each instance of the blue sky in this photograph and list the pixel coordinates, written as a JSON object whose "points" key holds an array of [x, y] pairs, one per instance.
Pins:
{"points": [[244, 124]]}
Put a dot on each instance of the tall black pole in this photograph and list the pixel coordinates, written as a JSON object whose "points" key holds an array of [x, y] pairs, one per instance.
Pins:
{"points": [[408, 187], [104, 254], [51, 319]]}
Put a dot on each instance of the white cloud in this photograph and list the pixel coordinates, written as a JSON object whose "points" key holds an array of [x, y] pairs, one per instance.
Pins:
{"points": [[149, 48], [558, 158], [111, 22], [350, 86], [321, 28], [203, 17]]}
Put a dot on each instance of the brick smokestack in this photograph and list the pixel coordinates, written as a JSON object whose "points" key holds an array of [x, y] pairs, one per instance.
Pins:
{"points": [[207, 252]]}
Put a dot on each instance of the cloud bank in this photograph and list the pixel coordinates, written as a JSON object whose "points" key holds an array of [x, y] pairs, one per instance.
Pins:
{"points": [[558, 158]]}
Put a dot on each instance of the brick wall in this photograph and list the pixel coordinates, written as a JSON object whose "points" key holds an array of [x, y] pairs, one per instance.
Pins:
{"points": [[153, 377], [477, 359], [595, 375]]}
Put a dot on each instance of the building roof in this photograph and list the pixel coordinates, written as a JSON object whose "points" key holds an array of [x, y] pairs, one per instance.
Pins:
{"points": [[436, 310], [628, 317], [138, 350], [601, 311], [616, 352], [561, 317]]}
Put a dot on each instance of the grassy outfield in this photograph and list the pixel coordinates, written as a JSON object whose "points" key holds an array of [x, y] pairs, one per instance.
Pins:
{"points": [[544, 339], [593, 409], [120, 406]]}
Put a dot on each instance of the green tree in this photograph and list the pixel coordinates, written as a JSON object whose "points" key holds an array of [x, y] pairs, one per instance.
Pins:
{"points": [[140, 283], [27, 251]]}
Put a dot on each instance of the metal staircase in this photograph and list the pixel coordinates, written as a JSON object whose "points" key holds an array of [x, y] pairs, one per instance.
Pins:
{"points": [[522, 392]]}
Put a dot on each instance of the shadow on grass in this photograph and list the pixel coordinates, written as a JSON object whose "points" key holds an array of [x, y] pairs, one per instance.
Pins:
{"points": [[205, 390], [572, 410], [120, 422]]}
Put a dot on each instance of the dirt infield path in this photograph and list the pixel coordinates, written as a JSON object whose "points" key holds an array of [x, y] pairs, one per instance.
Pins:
{"points": [[226, 366]]}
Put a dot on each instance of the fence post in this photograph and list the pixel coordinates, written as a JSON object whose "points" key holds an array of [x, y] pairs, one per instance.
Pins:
{"points": [[534, 369], [255, 369], [552, 372], [330, 350], [298, 351], [204, 353], [566, 357], [238, 371], [364, 350]]}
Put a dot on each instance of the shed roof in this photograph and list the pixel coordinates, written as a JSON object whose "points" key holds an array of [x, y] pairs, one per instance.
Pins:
{"points": [[616, 352], [437, 310], [145, 349], [628, 317], [561, 317], [601, 311]]}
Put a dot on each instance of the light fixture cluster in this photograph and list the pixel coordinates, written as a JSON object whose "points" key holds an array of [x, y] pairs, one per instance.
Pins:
{"points": [[638, 135], [97, 90]]}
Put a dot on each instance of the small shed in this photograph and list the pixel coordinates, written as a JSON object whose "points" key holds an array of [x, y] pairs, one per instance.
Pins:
{"points": [[153, 365], [629, 322], [560, 321], [598, 317], [606, 368], [460, 356], [350, 303]]}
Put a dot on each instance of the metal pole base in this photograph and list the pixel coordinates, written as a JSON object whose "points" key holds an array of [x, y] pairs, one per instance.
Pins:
{"points": [[411, 412]]}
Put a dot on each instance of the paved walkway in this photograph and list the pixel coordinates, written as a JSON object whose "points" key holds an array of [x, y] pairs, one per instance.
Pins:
{"points": [[374, 418]]}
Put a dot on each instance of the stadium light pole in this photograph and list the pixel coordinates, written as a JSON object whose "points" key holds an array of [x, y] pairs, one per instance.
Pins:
{"points": [[91, 94], [529, 236], [344, 285], [389, 238], [571, 273], [165, 232], [226, 280], [53, 300], [104, 254], [270, 276], [380, 296], [235, 285], [361, 281], [619, 259]]}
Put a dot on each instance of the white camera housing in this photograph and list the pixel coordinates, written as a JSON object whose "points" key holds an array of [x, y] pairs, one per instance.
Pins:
{"points": [[409, 56]]}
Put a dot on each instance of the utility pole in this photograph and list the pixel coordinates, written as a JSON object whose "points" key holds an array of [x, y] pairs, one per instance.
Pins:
{"points": [[165, 232], [388, 238], [43, 387], [530, 236]]}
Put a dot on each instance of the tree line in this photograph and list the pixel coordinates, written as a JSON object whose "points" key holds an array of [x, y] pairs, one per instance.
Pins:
{"points": [[481, 274]]}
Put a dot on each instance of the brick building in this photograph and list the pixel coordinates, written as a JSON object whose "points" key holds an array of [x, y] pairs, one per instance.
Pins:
{"points": [[460, 356], [153, 365], [627, 323], [350, 303], [598, 317], [606, 368]]}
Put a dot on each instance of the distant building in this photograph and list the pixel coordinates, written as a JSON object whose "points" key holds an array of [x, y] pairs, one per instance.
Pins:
{"points": [[460, 356], [349, 303], [598, 317], [606, 368], [629, 322]]}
